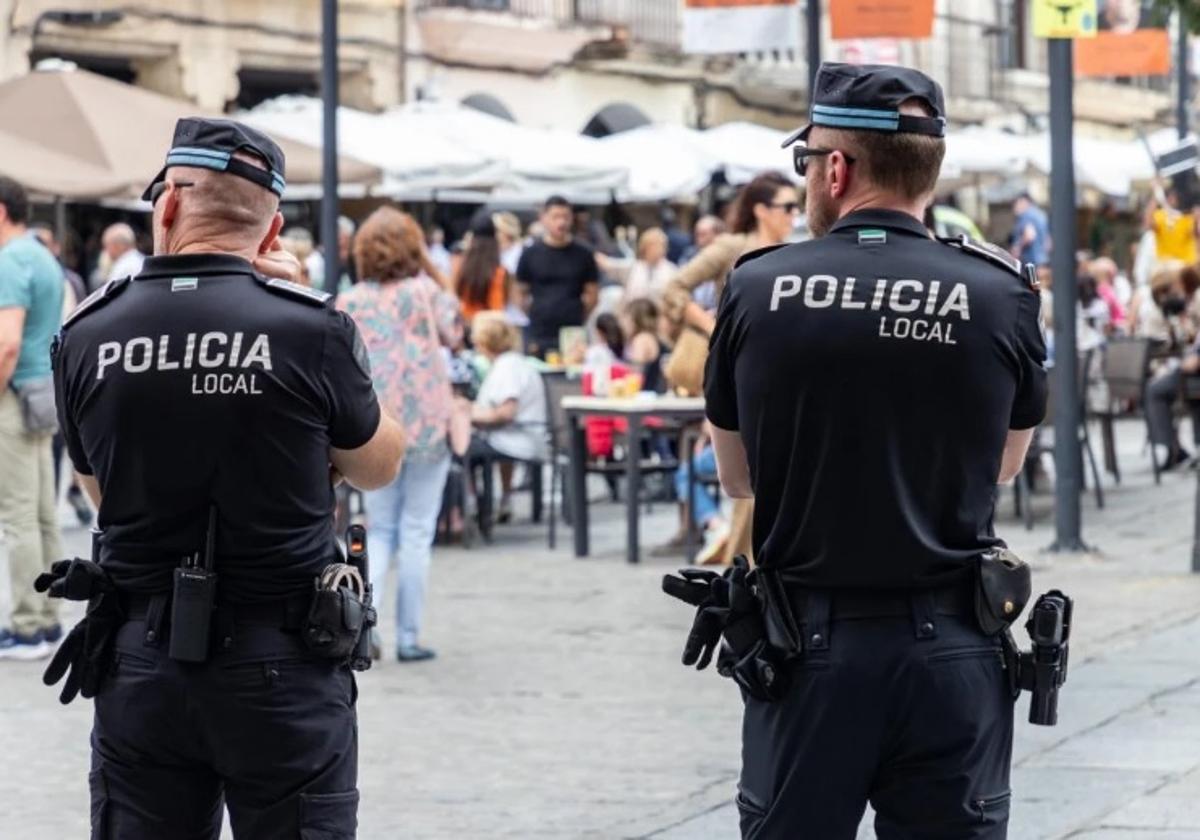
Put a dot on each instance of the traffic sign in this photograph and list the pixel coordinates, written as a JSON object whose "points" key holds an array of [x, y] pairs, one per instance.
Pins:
{"points": [[1064, 18]]}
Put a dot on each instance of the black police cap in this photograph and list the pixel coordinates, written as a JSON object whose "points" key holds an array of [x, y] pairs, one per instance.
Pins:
{"points": [[211, 144], [867, 97]]}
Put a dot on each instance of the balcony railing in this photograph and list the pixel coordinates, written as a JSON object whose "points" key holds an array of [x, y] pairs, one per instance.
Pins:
{"points": [[654, 22]]}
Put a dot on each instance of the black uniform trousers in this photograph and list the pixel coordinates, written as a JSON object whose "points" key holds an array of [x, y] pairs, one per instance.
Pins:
{"points": [[910, 713], [262, 726]]}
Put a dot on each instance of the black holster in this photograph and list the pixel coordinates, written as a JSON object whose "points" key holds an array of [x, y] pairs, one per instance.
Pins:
{"points": [[337, 614], [730, 610]]}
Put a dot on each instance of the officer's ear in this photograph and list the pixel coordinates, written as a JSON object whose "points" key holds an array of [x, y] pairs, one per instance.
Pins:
{"points": [[272, 233], [170, 204], [839, 175]]}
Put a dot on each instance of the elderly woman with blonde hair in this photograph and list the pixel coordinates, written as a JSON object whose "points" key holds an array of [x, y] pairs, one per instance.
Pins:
{"points": [[647, 276], [509, 413], [406, 318]]}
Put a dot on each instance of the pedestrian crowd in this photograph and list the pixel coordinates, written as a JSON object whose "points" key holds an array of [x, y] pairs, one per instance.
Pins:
{"points": [[1132, 284], [458, 336]]}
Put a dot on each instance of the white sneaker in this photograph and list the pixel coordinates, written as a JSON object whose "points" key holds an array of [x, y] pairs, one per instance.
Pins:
{"points": [[24, 649], [714, 546]]}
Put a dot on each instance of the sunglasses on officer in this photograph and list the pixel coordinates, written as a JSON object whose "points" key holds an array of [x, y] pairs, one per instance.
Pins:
{"points": [[801, 154], [158, 189]]}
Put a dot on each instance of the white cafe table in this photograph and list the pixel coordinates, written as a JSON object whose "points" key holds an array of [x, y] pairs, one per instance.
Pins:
{"points": [[633, 410]]}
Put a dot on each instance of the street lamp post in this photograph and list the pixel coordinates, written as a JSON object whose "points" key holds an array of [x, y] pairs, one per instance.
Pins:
{"points": [[1068, 458], [1183, 71], [813, 31], [329, 173]]}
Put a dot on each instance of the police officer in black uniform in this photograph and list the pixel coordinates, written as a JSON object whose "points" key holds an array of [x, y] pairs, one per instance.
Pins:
{"points": [[869, 388], [208, 410]]}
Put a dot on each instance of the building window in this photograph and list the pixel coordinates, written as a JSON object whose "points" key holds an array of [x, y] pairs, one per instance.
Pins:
{"points": [[257, 85]]}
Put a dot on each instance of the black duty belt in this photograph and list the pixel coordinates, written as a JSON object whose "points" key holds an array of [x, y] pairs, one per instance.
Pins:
{"points": [[876, 603], [286, 614]]}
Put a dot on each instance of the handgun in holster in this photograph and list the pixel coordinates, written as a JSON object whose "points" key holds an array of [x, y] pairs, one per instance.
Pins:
{"points": [[341, 616], [1042, 671], [192, 600], [1003, 588]]}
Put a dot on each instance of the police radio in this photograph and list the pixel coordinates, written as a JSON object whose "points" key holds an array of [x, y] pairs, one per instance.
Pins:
{"points": [[192, 600]]}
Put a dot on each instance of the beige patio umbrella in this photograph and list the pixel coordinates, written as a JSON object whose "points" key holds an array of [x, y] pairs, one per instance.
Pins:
{"points": [[45, 171], [71, 133]]}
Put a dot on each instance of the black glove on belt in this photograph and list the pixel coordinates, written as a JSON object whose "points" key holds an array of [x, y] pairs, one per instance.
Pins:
{"points": [[728, 605], [87, 650]]}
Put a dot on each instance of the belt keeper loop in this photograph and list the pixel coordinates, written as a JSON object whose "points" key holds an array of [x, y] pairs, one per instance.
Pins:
{"points": [[924, 613], [816, 621], [156, 608]]}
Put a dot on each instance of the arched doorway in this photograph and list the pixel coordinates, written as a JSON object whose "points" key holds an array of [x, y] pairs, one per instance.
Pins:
{"points": [[489, 105], [614, 118]]}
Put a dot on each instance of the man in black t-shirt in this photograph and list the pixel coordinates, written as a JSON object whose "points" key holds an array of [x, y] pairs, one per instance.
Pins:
{"points": [[557, 277], [200, 391], [868, 389]]}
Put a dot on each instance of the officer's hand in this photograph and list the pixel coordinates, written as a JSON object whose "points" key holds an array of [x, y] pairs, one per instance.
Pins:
{"points": [[74, 580], [278, 263]]}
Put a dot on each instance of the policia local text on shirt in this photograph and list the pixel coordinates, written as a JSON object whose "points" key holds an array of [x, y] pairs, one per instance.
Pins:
{"points": [[868, 388], [206, 409]]}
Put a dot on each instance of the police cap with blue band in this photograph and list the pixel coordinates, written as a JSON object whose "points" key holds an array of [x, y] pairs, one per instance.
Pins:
{"points": [[867, 97], [212, 143]]}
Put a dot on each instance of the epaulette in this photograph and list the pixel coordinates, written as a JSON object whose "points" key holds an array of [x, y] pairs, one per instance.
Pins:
{"points": [[756, 253], [985, 250], [97, 299], [313, 297]]}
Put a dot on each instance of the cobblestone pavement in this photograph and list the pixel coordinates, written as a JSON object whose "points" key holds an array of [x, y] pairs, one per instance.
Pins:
{"points": [[557, 707]]}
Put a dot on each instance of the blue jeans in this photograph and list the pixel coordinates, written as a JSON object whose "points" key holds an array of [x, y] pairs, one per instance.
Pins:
{"points": [[704, 505], [402, 520]]}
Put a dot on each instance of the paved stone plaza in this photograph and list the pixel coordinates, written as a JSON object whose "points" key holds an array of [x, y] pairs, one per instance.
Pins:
{"points": [[557, 707]]}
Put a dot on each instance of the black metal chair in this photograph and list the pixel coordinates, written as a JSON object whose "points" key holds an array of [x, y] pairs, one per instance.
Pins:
{"points": [[1044, 442], [1125, 369]]}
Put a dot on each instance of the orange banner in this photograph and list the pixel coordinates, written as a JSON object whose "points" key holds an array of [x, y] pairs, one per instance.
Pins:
{"points": [[1143, 52], [881, 18]]}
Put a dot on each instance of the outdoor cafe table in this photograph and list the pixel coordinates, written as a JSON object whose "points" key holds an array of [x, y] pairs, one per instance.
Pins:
{"points": [[633, 410]]}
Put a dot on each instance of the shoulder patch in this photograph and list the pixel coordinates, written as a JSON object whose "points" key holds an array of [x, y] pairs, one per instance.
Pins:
{"points": [[985, 250], [755, 254], [97, 299], [294, 290], [1031, 277]]}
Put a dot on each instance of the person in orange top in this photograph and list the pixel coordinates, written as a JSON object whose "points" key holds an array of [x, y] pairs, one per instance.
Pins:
{"points": [[482, 283], [1174, 229]]}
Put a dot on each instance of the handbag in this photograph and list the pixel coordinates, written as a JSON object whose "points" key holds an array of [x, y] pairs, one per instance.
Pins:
{"points": [[684, 368], [38, 411], [458, 426]]}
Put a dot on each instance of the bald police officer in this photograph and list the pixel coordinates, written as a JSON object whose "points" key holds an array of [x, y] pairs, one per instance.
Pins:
{"points": [[869, 388], [206, 409]]}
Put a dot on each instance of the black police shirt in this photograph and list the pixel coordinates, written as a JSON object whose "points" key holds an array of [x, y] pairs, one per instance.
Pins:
{"points": [[556, 277], [199, 385], [873, 375]]}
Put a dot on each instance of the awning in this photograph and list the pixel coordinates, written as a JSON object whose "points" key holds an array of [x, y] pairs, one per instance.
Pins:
{"points": [[78, 135]]}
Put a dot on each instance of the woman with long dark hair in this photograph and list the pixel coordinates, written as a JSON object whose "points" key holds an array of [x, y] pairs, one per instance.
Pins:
{"points": [[482, 283], [763, 214]]}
